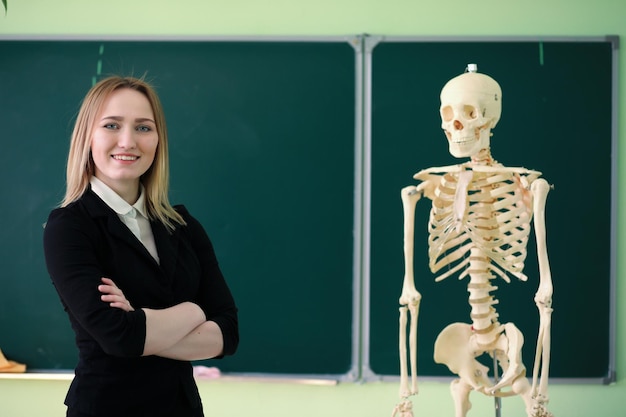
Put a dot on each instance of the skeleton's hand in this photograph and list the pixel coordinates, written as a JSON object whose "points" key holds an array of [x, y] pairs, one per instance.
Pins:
{"points": [[113, 295]]}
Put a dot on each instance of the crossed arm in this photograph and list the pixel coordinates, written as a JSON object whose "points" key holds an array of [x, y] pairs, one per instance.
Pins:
{"points": [[179, 332]]}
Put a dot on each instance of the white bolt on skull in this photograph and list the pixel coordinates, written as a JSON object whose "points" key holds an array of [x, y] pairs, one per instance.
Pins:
{"points": [[479, 226]]}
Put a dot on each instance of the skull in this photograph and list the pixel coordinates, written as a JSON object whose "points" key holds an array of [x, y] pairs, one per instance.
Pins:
{"points": [[471, 104]]}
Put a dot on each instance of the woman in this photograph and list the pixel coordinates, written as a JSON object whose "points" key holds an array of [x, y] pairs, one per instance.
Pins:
{"points": [[138, 278]]}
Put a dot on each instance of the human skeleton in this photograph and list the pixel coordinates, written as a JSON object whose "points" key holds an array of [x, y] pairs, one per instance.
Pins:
{"points": [[479, 226]]}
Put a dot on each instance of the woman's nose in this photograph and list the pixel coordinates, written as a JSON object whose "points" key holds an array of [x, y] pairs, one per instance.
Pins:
{"points": [[126, 139]]}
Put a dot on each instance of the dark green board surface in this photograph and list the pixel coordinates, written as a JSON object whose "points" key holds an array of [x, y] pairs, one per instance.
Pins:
{"points": [[262, 153], [556, 119]]}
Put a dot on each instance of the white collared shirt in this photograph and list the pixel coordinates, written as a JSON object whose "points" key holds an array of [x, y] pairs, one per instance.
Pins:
{"points": [[134, 217]]}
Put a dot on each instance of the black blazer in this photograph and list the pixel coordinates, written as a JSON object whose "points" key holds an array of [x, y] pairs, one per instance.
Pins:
{"points": [[86, 241]]}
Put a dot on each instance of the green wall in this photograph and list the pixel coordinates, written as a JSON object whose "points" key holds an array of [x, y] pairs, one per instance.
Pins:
{"points": [[145, 18]]}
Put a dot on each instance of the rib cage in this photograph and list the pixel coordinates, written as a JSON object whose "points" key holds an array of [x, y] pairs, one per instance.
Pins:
{"points": [[490, 211]]}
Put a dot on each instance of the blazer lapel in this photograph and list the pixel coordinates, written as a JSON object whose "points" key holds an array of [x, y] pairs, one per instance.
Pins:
{"points": [[115, 226], [167, 247]]}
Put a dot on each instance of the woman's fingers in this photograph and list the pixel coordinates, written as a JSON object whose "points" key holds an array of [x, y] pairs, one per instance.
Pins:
{"points": [[113, 295], [108, 287], [107, 281]]}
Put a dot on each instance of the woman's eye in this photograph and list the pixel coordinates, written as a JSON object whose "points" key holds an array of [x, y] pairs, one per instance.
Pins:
{"points": [[143, 128], [110, 126]]}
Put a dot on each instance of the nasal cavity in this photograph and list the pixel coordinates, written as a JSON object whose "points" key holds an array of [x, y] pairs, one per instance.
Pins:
{"points": [[458, 125]]}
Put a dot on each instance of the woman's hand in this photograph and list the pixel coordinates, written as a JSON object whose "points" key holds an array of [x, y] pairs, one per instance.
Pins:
{"points": [[113, 295]]}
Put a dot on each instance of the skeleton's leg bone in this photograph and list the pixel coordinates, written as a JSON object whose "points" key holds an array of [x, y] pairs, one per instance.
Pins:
{"points": [[460, 394], [521, 387]]}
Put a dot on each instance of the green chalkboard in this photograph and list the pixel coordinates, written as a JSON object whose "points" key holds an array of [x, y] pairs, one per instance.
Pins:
{"points": [[557, 119], [263, 152], [262, 140]]}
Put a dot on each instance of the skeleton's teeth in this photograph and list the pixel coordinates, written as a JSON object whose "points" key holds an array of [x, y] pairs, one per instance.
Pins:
{"points": [[464, 140], [125, 157]]}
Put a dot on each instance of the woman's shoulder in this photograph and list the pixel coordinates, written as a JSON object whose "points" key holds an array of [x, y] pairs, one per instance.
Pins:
{"points": [[181, 209], [193, 225], [78, 211], [65, 212], [189, 219]]}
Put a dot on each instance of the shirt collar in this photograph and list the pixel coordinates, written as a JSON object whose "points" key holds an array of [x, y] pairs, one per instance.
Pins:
{"points": [[117, 203]]}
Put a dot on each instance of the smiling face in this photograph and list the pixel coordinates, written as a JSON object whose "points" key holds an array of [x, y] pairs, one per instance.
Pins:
{"points": [[124, 141]]}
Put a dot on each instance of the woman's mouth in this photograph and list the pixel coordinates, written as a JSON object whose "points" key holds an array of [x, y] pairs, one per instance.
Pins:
{"points": [[125, 157]]}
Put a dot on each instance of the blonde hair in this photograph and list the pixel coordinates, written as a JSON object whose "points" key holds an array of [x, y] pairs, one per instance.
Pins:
{"points": [[80, 164]]}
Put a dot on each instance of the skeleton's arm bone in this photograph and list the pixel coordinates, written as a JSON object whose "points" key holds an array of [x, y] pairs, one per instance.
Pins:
{"points": [[543, 297], [540, 189], [410, 196], [410, 297]]}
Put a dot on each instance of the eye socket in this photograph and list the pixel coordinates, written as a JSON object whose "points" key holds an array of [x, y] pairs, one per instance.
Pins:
{"points": [[446, 113], [470, 112]]}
